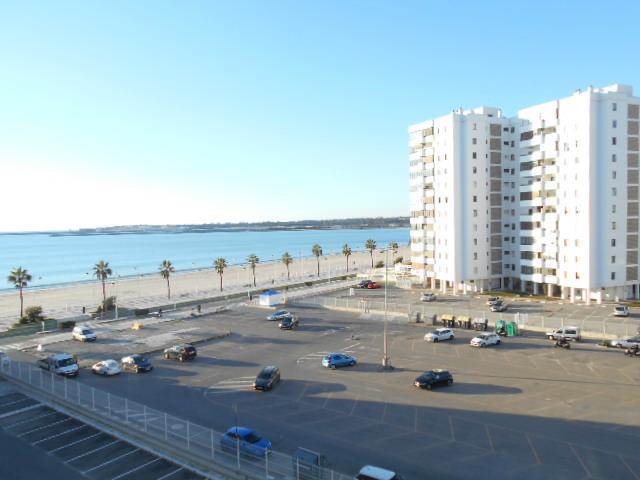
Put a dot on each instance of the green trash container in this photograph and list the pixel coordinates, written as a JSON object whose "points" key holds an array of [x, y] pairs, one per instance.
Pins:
{"points": [[501, 327], [512, 329]]}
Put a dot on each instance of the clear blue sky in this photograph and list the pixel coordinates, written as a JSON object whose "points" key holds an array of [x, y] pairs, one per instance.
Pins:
{"points": [[173, 112]]}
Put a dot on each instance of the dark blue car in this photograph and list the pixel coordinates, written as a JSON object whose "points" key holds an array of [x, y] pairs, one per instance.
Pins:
{"points": [[337, 360], [247, 440]]}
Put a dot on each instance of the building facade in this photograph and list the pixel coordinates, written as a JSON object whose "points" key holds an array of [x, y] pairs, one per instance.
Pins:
{"points": [[544, 202]]}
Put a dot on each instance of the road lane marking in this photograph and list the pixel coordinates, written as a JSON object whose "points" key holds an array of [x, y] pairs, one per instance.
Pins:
{"points": [[91, 451], [111, 461]]}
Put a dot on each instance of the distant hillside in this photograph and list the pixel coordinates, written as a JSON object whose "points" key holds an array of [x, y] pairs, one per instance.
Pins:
{"points": [[358, 223]]}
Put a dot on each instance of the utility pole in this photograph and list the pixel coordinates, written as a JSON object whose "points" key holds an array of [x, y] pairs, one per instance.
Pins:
{"points": [[386, 361]]}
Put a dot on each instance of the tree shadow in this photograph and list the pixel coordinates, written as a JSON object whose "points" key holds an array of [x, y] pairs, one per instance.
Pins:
{"points": [[464, 388]]}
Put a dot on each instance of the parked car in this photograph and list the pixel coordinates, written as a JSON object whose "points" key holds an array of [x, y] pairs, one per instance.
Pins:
{"points": [[83, 334], [374, 285], [279, 315], [485, 339], [570, 333], [5, 360], [431, 378], [337, 360], [364, 283], [369, 472], [61, 364], [106, 368], [499, 306], [493, 300], [289, 323], [428, 297], [309, 465], [439, 334], [621, 311], [267, 378], [181, 352], [136, 363], [627, 342], [247, 441]]}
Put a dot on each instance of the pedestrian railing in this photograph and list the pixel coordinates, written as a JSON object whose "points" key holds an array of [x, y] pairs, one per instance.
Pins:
{"points": [[593, 328], [200, 446]]}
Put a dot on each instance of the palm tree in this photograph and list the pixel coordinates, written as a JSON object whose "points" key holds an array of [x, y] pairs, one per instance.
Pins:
{"points": [[317, 251], [20, 278], [287, 260], [220, 264], [102, 271], [394, 250], [166, 269], [371, 246], [346, 251], [253, 260]]}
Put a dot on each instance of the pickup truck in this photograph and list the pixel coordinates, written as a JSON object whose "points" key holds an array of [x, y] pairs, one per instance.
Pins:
{"points": [[61, 364]]}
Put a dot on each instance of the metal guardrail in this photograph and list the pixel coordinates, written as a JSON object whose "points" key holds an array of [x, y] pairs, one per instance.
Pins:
{"points": [[607, 328], [187, 441]]}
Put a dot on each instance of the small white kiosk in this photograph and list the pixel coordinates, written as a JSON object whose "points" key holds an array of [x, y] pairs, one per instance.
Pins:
{"points": [[271, 298]]}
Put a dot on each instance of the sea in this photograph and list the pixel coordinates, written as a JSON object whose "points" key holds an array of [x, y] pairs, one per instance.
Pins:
{"points": [[54, 260]]}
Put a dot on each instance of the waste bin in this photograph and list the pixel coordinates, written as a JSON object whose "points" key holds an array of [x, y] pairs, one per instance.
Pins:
{"points": [[352, 292], [512, 329], [501, 327]]}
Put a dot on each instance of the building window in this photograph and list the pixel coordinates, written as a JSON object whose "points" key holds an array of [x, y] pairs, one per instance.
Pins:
{"points": [[613, 259], [613, 225], [475, 198], [613, 242], [613, 174], [614, 141], [475, 213], [614, 123], [613, 157], [475, 241], [475, 126], [474, 141], [474, 155], [475, 255], [474, 169], [613, 208], [614, 191], [613, 275], [614, 106]]}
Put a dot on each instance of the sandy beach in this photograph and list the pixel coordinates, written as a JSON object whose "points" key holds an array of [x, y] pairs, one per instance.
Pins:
{"points": [[150, 289]]}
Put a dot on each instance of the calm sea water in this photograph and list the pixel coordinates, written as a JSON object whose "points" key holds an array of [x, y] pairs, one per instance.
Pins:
{"points": [[55, 260]]}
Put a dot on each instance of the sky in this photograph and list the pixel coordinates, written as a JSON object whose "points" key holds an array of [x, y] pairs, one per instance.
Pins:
{"points": [[153, 112]]}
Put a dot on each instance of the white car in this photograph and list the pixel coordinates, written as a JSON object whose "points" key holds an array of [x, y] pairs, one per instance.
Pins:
{"points": [[369, 472], [570, 333], [428, 297], [438, 335], [485, 339], [493, 300], [499, 306], [83, 334], [620, 311], [106, 368], [626, 342]]}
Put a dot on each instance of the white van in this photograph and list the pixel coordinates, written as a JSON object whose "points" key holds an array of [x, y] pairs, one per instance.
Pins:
{"points": [[83, 334], [621, 311], [570, 333], [369, 472]]}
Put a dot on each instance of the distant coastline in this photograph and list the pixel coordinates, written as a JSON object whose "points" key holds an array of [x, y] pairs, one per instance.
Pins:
{"points": [[299, 225]]}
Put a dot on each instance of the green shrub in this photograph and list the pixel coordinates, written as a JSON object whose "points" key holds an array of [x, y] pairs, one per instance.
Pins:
{"points": [[379, 264], [32, 315], [141, 312], [107, 305], [67, 324], [398, 260], [308, 284]]}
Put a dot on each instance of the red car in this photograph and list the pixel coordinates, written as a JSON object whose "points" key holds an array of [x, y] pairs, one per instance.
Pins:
{"points": [[373, 285]]}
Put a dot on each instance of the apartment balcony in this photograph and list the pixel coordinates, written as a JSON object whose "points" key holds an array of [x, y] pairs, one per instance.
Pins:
{"points": [[415, 141], [550, 279], [430, 247], [538, 155], [550, 217], [550, 264], [526, 218], [429, 206], [430, 261], [534, 202], [551, 250], [429, 233], [429, 193], [429, 179], [429, 220], [551, 185], [416, 220], [415, 155], [537, 262], [537, 217], [551, 170], [551, 201], [537, 277]]}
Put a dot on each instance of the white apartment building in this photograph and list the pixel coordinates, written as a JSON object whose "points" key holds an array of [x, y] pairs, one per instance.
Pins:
{"points": [[545, 202]]}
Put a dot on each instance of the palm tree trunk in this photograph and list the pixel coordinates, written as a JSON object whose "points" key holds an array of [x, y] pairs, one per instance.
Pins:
{"points": [[220, 282], [371, 253], [254, 275], [318, 259], [288, 272], [104, 292], [21, 303], [347, 263], [168, 289]]}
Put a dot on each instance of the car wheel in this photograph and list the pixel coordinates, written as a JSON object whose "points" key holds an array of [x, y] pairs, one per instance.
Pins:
{"points": [[333, 367], [181, 358], [428, 386], [449, 382], [352, 364], [104, 373], [498, 342], [435, 340]]}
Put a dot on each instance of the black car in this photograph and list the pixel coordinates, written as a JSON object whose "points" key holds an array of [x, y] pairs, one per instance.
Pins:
{"points": [[433, 377], [364, 284], [136, 363], [181, 352], [288, 323], [267, 378]]}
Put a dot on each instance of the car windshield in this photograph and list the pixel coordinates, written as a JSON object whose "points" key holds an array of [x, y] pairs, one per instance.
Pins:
{"points": [[252, 438], [139, 360], [265, 375], [620, 308], [65, 362], [434, 332]]}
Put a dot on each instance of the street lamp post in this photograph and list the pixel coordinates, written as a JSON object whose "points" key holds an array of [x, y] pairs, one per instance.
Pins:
{"points": [[386, 361]]}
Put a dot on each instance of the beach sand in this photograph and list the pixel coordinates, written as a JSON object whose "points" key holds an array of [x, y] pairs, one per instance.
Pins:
{"points": [[151, 289]]}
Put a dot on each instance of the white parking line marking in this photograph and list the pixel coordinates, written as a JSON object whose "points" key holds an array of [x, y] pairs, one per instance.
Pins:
{"points": [[137, 468], [46, 426], [30, 419], [59, 434], [169, 474], [111, 461], [73, 443], [91, 451]]}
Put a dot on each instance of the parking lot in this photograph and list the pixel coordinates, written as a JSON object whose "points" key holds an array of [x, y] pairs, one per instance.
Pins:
{"points": [[522, 409], [91, 452]]}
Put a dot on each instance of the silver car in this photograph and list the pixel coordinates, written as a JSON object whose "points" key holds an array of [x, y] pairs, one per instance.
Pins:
{"points": [[626, 342]]}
